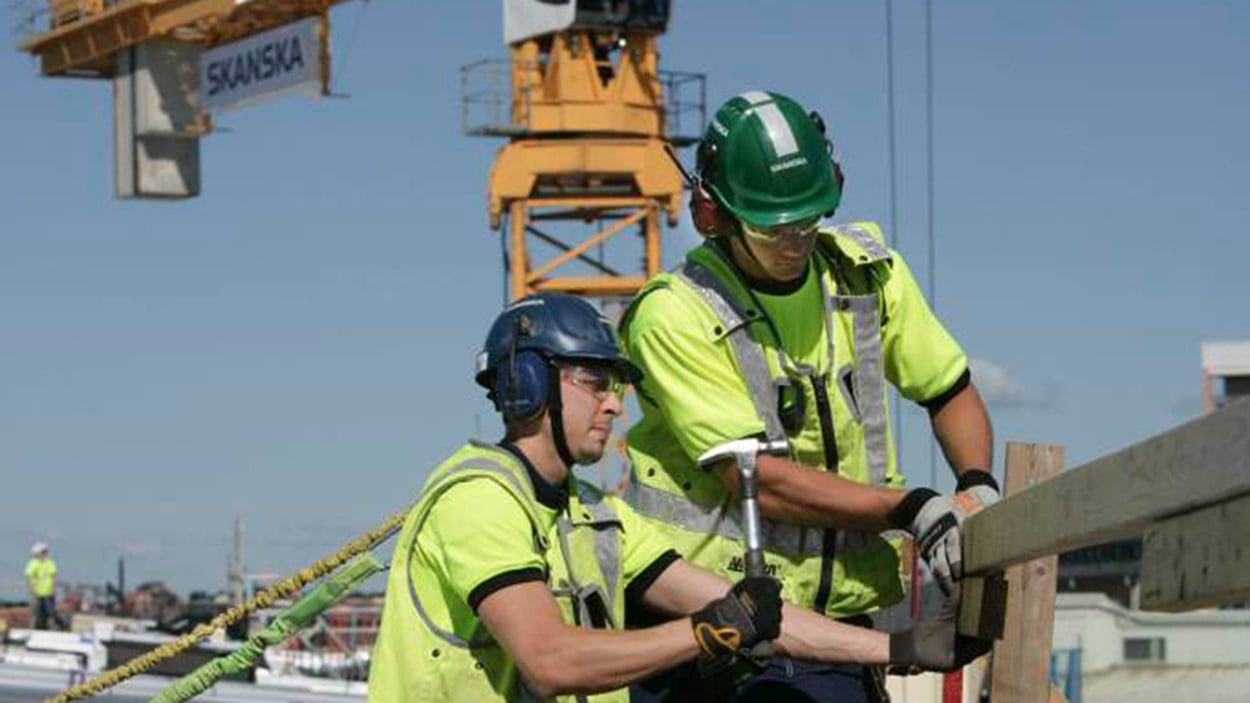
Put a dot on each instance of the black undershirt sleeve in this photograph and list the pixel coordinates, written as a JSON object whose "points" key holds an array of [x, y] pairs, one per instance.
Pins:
{"points": [[503, 580], [636, 588], [934, 405]]}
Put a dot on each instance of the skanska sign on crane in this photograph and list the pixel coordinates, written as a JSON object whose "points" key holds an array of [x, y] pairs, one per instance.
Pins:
{"points": [[282, 60]]}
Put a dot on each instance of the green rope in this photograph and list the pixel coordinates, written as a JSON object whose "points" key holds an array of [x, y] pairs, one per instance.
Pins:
{"points": [[286, 588], [286, 624]]}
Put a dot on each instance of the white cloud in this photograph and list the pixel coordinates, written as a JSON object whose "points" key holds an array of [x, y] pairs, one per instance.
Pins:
{"points": [[1001, 389]]}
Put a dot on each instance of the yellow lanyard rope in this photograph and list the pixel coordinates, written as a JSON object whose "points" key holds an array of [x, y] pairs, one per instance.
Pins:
{"points": [[283, 589]]}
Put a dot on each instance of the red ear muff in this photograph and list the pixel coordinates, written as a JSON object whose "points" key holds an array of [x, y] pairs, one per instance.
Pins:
{"points": [[710, 219]]}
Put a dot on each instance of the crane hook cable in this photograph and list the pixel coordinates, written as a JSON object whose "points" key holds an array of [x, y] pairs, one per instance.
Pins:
{"points": [[286, 588]]}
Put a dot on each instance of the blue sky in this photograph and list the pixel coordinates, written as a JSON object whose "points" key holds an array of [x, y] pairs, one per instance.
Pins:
{"points": [[295, 346]]}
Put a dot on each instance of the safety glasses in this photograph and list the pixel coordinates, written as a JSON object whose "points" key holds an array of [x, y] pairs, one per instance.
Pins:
{"points": [[599, 382], [793, 232]]}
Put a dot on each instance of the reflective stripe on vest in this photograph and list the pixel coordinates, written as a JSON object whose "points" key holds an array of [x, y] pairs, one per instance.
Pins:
{"points": [[725, 520], [444, 482], [750, 356], [868, 372], [864, 240], [869, 376], [607, 552]]}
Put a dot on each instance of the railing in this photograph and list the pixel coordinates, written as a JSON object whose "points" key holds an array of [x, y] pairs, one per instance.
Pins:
{"points": [[1185, 493], [684, 114], [486, 103]]}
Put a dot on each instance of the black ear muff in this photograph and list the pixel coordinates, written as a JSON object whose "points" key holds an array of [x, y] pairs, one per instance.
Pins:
{"points": [[521, 385]]}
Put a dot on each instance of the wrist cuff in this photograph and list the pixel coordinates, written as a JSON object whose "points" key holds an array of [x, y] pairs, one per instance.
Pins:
{"points": [[902, 650], [905, 512], [976, 477]]}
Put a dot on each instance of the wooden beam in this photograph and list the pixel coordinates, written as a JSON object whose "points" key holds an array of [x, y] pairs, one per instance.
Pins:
{"points": [[1198, 559], [1117, 496], [982, 606], [1020, 672]]}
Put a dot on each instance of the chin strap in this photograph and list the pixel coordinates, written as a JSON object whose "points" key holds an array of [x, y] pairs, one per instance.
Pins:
{"points": [[555, 409]]}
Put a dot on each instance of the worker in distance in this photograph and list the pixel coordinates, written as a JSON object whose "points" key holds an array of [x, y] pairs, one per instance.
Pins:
{"points": [[510, 577], [782, 328]]}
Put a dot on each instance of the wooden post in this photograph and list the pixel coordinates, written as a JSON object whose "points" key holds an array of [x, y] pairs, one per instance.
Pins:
{"points": [[1021, 665]]}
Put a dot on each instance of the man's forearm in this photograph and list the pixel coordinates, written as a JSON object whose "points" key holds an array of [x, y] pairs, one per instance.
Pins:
{"points": [[806, 635], [963, 430], [793, 493], [557, 658], [579, 660], [684, 588]]}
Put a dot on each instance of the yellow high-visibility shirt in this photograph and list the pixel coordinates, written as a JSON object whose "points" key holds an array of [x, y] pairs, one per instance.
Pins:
{"points": [[41, 573], [693, 397]]}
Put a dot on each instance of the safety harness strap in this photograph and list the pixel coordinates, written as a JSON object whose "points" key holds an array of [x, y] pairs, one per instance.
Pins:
{"points": [[868, 372], [431, 494], [870, 245], [748, 354], [869, 380], [602, 518], [605, 525]]}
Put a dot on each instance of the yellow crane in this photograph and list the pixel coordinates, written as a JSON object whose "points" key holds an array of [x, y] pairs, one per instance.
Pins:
{"points": [[173, 61], [589, 118], [85, 37], [588, 114]]}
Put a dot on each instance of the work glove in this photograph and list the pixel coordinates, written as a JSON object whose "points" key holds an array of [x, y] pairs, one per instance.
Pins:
{"points": [[934, 521], [934, 645], [975, 490], [730, 628]]}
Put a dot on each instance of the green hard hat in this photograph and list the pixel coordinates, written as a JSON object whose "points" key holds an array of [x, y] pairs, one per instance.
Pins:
{"points": [[767, 160]]}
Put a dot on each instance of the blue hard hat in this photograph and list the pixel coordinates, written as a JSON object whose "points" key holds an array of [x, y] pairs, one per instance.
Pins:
{"points": [[557, 326]]}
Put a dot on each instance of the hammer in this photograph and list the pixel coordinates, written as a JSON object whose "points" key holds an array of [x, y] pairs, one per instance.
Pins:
{"points": [[746, 452]]}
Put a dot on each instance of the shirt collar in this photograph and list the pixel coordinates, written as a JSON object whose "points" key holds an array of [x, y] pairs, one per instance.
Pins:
{"points": [[763, 285], [552, 496]]}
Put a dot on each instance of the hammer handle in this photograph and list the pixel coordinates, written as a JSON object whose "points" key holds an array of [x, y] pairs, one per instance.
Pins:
{"points": [[755, 563]]}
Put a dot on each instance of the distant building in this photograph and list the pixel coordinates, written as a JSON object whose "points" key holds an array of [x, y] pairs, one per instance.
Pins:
{"points": [[1129, 656], [1225, 373], [1114, 569]]}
